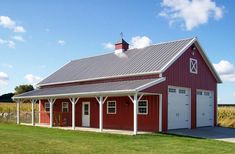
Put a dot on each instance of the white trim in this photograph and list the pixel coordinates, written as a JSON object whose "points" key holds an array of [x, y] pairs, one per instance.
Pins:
{"points": [[193, 65], [145, 107], [84, 94], [135, 104], [62, 107], [208, 62], [89, 113], [115, 107], [147, 85], [39, 111], [165, 67], [160, 112]]}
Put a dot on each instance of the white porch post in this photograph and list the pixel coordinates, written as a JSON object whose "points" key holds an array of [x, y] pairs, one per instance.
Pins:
{"points": [[101, 102], [160, 112], [18, 111], [51, 101], [39, 111], [101, 113], [135, 102], [74, 102], [33, 101]]}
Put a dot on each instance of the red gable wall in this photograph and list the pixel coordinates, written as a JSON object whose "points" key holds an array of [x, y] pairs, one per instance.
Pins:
{"points": [[178, 74]]}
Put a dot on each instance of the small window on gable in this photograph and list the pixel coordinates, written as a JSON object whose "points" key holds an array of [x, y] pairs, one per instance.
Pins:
{"points": [[193, 66], [111, 107], [47, 107], [65, 107]]}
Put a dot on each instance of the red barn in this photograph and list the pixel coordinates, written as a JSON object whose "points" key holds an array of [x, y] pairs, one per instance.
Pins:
{"points": [[169, 85]]}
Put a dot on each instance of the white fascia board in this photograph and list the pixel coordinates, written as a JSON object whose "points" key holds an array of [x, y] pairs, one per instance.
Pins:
{"points": [[101, 78], [209, 64], [84, 94], [147, 85], [165, 67]]}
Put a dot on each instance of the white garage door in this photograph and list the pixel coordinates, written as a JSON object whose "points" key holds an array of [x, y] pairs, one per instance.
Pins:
{"points": [[205, 108], [179, 104]]}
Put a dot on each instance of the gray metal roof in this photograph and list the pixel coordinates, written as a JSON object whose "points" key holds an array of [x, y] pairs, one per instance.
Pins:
{"points": [[136, 61], [120, 87]]}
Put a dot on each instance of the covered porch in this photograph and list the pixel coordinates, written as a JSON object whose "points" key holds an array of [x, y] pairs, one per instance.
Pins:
{"points": [[98, 92]]}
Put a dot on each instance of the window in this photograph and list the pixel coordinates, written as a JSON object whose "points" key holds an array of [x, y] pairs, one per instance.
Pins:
{"points": [[199, 92], [143, 107], [193, 66], [172, 90], [47, 107], [182, 91], [206, 93], [65, 107], [111, 107]]}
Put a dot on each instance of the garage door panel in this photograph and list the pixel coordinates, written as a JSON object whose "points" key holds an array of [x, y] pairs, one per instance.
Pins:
{"points": [[178, 108], [205, 108]]}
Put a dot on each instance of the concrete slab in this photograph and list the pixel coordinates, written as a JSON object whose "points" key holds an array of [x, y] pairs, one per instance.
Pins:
{"points": [[88, 129], [217, 133]]}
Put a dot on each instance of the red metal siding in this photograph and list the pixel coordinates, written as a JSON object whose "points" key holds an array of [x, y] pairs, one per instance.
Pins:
{"points": [[179, 75], [123, 119]]}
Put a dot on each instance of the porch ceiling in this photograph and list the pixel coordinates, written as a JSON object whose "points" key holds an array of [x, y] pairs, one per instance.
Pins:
{"points": [[91, 90]]}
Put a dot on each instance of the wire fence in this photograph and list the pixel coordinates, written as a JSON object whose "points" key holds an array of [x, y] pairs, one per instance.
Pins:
{"points": [[25, 117]]}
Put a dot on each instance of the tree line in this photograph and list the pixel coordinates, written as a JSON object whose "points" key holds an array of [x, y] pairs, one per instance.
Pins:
{"points": [[18, 90]]}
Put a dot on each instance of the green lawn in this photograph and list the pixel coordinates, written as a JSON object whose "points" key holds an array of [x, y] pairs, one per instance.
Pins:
{"points": [[27, 139]]}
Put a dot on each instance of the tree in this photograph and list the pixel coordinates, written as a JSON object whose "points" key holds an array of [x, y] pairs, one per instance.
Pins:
{"points": [[6, 97], [23, 88]]}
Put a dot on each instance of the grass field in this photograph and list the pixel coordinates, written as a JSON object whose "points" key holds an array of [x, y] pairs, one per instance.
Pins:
{"points": [[6, 107], [226, 116], [27, 139]]}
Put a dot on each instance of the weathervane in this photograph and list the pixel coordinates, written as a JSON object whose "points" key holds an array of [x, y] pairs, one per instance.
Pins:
{"points": [[121, 34]]}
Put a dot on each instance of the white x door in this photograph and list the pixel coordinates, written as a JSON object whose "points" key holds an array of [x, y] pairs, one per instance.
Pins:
{"points": [[86, 114]]}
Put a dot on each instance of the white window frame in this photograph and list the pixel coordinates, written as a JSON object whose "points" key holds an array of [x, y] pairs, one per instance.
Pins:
{"points": [[62, 107], [45, 107], [147, 108], [194, 67], [115, 107]]}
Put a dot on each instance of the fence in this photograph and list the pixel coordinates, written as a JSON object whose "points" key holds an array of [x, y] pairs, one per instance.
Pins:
{"points": [[25, 117]]}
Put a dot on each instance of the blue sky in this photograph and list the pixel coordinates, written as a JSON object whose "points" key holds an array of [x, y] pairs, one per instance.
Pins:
{"points": [[37, 38]]}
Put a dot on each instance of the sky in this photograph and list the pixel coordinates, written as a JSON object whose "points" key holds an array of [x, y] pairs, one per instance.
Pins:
{"points": [[38, 37]]}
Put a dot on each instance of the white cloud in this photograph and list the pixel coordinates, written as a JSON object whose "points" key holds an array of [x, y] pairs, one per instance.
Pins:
{"points": [[191, 13], [18, 38], [9, 43], [108, 46], [7, 22], [61, 42], [19, 29], [140, 42], [32, 79], [226, 70], [7, 65], [4, 78]]}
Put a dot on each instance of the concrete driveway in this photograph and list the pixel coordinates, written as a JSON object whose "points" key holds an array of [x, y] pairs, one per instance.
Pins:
{"points": [[217, 133]]}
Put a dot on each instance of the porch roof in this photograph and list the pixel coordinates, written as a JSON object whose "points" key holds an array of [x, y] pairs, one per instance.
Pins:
{"points": [[88, 90]]}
